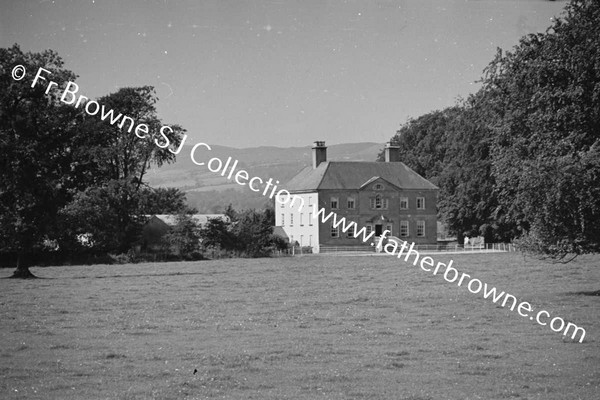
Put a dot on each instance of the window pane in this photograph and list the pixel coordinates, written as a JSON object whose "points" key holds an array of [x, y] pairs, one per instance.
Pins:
{"points": [[335, 232], [403, 228], [350, 203], [334, 202], [350, 232], [420, 228], [389, 228], [403, 203]]}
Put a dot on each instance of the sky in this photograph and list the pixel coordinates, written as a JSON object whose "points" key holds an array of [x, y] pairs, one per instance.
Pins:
{"points": [[281, 73]]}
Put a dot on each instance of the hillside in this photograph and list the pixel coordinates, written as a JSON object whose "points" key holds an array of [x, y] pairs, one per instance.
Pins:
{"points": [[210, 192]]}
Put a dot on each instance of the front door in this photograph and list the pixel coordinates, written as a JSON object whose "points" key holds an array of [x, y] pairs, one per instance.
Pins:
{"points": [[378, 230]]}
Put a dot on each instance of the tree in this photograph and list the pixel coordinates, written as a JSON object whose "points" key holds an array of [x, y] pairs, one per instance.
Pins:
{"points": [[56, 158], [37, 163], [451, 148], [119, 152], [107, 213], [231, 213], [253, 232], [111, 210], [163, 201], [546, 96], [217, 233], [184, 238]]}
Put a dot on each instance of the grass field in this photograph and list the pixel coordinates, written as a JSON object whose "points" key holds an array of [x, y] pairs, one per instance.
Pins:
{"points": [[315, 327]]}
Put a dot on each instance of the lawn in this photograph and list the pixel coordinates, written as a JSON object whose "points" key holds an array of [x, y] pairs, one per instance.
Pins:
{"points": [[359, 327]]}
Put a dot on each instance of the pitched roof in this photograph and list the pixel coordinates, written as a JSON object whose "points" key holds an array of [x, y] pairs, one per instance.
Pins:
{"points": [[354, 174], [279, 231]]}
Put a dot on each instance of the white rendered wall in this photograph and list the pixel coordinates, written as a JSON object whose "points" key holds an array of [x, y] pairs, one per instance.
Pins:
{"points": [[297, 222]]}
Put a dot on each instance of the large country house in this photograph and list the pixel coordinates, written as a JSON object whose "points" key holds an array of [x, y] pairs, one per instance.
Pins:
{"points": [[376, 195]]}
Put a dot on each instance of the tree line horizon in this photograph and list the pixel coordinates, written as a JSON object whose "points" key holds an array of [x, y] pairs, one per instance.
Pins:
{"points": [[519, 160]]}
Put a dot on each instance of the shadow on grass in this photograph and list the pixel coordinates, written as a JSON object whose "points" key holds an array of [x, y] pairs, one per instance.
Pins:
{"points": [[134, 275], [35, 277], [591, 293], [207, 273], [112, 276]]}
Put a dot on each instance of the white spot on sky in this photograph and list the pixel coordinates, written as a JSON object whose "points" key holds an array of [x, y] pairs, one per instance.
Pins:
{"points": [[166, 52], [267, 28], [169, 25], [170, 88]]}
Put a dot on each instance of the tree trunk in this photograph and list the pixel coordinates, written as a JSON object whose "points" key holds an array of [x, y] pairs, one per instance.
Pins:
{"points": [[22, 271]]}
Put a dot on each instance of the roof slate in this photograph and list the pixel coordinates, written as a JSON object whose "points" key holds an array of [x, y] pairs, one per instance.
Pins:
{"points": [[336, 175]]}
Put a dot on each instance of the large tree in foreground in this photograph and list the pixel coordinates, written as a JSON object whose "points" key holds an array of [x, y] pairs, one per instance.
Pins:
{"points": [[64, 173], [36, 156], [546, 94]]}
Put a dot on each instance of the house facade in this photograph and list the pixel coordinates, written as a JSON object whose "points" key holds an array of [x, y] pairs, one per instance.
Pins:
{"points": [[378, 196]]}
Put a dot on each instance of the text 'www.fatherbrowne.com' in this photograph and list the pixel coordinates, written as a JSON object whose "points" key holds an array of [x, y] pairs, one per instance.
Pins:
{"points": [[452, 275], [269, 189]]}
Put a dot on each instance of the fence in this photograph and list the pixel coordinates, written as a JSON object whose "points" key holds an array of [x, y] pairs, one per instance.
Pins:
{"points": [[346, 249], [481, 248], [292, 251]]}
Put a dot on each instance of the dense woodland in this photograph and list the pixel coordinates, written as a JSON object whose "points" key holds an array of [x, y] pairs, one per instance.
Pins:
{"points": [[520, 159]]}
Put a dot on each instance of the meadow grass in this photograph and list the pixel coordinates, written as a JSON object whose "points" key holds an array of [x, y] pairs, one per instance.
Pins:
{"points": [[297, 328]]}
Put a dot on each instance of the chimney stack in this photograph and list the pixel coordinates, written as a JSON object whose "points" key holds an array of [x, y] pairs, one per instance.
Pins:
{"points": [[392, 152], [319, 153]]}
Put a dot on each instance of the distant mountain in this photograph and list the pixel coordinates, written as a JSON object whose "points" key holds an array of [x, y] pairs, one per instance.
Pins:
{"points": [[208, 191], [265, 161]]}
